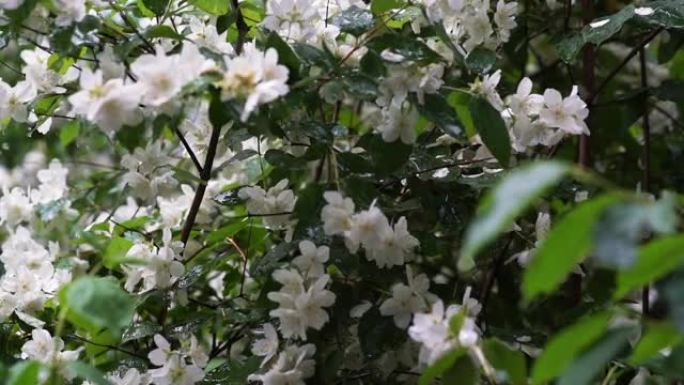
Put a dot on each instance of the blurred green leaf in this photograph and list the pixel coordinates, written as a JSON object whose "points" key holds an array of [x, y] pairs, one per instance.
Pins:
{"points": [[96, 303], [565, 346], [655, 260], [554, 260], [510, 198], [656, 337]]}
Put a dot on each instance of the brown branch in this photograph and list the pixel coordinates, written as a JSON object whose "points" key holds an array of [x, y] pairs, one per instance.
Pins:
{"points": [[624, 62], [241, 25], [645, 159], [180, 136], [588, 64]]}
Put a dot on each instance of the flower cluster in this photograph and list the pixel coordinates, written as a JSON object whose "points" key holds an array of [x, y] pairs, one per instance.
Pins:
{"points": [[384, 244], [435, 331]]}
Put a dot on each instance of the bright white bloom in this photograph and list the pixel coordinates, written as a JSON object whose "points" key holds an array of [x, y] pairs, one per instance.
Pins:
{"points": [[504, 17], [162, 76], [487, 88], [131, 377], [254, 76], [70, 11], [161, 354], [267, 346], [14, 100], [300, 307], [311, 259], [337, 213], [49, 350], [294, 365], [479, 29], [160, 268], [392, 246], [524, 102], [38, 73], [567, 114], [432, 330], [277, 200], [11, 4], [292, 19], [146, 174], [15, 207], [399, 122], [52, 185], [407, 299], [176, 372], [110, 104], [206, 35]]}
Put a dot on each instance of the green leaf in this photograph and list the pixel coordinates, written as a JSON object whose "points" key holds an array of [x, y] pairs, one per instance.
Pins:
{"points": [[25, 372], [360, 86], [69, 132], [115, 252], [463, 372], [21, 13], [658, 336], [97, 303], [437, 110], [480, 60], [439, 367], [410, 49], [654, 261], [158, 7], [353, 20], [562, 349], [460, 101], [510, 362], [594, 33], [553, 260], [388, 157], [157, 31], [585, 369], [382, 6], [492, 129], [215, 7], [88, 373], [501, 206], [232, 372]]}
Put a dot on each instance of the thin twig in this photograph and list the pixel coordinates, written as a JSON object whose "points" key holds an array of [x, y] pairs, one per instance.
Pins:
{"points": [[624, 62], [646, 160], [198, 165]]}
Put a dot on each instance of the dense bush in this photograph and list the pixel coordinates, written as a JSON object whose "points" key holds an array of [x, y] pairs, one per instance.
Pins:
{"points": [[293, 192]]}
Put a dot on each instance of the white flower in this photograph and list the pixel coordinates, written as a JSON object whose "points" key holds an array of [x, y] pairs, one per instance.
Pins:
{"points": [[300, 308], [479, 29], [110, 104], [267, 346], [366, 228], [206, 35], [432, 330], [162, 76], [277, 200], [407, 300], [70, 11], [504, 17], [49, 350], [176, 372], [524, 102], [392, 246], [38, 73], [568, 113], [294, 365], [161, 354], [487, 88], [131, 377], [399, 122], [254, 76], [310, 261], [15, 207], [14, 100], [291, 19], [196, 352], [336, 214], [11, 4], [52, 185]]}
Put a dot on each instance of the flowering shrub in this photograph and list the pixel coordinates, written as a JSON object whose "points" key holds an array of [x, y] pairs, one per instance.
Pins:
{"points": [[294, 192]]}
